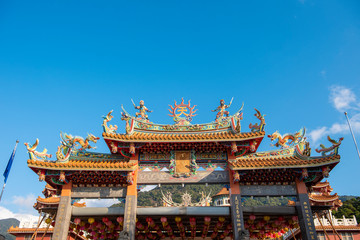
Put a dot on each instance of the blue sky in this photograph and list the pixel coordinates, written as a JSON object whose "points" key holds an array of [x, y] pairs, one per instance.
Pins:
{"points": [[64, 64]]}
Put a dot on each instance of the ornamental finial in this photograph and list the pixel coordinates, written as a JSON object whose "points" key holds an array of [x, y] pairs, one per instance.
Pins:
{"points": [[182, 113]]}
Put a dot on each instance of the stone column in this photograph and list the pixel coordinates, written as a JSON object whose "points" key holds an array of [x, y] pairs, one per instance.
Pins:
{"points": [[63, 215], [306, 220], [130, 208], [237, 217]]}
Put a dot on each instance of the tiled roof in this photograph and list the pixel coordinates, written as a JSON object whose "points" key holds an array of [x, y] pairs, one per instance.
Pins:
{"points": [[323, 198], [49, 200], [84, 165], [341, 228], [182, 137], [281, 162], [48, 186], [321, 184], [28, 230], [223, 191]]}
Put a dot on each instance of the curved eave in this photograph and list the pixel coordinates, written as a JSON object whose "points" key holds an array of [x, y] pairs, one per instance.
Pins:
{"points": [[48, 201], [321, 185], [322, 199], [83, 166], [202, 137], [15, 230], [282, 162]]}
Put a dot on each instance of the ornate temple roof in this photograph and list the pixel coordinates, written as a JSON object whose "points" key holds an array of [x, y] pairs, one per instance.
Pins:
{"points": [[292, 157], [321, 184], [117, 165], [323, 198], [52, 202], [49, 200], [281, 162], [49, 187], [182, 137]]}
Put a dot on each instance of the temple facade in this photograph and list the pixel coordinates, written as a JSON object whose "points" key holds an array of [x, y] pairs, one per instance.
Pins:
{"points": [[219, 152]]}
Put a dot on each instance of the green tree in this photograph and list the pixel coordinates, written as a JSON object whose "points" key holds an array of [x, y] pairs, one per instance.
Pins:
{"points": [[349, 208]]}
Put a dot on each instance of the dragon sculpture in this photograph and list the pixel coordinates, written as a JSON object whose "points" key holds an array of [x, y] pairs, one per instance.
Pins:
{"points": [[35, 154], [79, 141], [70, 143], [256, 127], [110, 128], [126, 117], [287, 139], [335, 147]]}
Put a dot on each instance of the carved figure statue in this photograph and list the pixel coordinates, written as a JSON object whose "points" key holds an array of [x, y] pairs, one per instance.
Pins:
{"points": [[283, 139], [33, 154], [111, 128], [335, 147], [222, 110], [257, 127], [142, 110]]}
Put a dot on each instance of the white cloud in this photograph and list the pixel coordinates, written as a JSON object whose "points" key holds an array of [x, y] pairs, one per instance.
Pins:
{"points": [[317, 134], [342, 98], [26, 202], [6, 213], [100, 202]]}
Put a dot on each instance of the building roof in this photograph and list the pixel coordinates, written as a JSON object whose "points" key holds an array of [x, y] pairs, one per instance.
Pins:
{"points": [[104, 165], [323, 198], [181, 137], [223, 191], [292, 157], [339, 228], [49, 187], [321, 184], [49, 200], [15, 230], [281, 162]]}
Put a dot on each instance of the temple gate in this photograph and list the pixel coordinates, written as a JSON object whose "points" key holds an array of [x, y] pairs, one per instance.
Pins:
{"points": [[182, 153]]}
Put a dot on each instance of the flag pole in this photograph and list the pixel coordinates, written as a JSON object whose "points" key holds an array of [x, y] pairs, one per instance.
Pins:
{"points": [[352, 133], [11, 159], [2, 191]]}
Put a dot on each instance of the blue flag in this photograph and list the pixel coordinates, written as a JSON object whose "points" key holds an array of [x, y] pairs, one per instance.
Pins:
{"points": [[8, 166]]}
